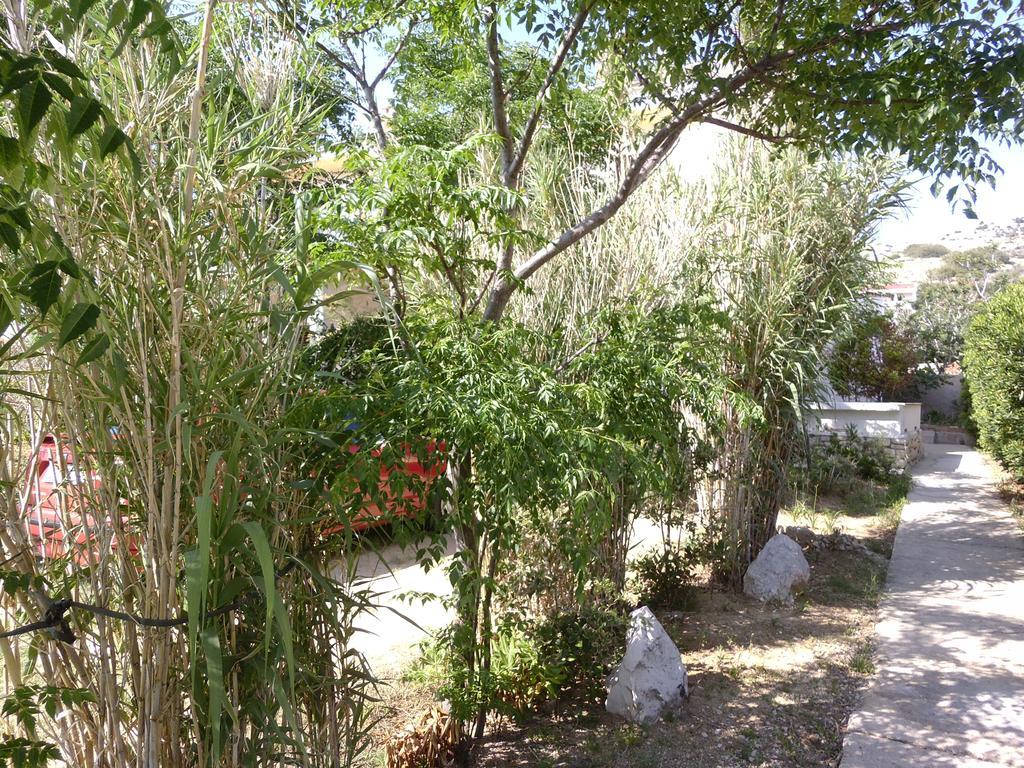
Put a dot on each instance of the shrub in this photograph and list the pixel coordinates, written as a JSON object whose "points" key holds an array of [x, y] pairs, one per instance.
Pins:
{"points": [[834, 466], [533, 660], [994, 366], [925, 251], [875, 360], [664, 578]]}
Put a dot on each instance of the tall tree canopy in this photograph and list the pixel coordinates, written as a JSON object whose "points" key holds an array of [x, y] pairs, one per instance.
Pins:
{"points": [[866, 76]]}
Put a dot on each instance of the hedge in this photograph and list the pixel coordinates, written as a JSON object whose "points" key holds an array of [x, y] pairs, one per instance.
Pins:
{"points": [[994, 368]]}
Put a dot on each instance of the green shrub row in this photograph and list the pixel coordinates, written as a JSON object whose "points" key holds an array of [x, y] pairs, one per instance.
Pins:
{"points": [[994, 367]]}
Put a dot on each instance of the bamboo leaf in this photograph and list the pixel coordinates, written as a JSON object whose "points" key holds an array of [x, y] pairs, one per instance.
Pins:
{"points": [[266, 561], [215, 683]]}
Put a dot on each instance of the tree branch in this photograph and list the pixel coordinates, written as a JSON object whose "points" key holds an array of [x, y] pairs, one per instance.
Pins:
{"points": [[557, 62], [395, 53], [742, 129], [498, 107]]}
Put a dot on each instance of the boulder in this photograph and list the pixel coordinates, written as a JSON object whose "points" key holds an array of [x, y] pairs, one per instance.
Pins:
{"points": [[775, 572], [651, 676]]}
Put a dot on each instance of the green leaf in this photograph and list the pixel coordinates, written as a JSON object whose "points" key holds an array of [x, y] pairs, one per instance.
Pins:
{"points": [[266, 561], [111, 140], [9, 236], [313, 282], [67, 265], [215, 682], [59, 84], [45, 286], [84, 112], [10, 152], [33, 101], [81, 319], [63, 64], [6, 315], [79, 8], [94, 349]]}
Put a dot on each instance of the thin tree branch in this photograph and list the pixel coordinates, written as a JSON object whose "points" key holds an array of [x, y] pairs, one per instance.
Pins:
{"points": [[656, 149], [742, 129], [557, 62], [395, 53], [498, 106]]}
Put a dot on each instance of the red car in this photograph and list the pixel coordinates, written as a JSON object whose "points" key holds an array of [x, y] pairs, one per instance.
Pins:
{"points": [[57, 499], [56, 505], [413, 497]]}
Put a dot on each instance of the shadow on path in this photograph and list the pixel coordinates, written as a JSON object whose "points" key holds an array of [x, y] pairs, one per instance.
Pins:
{"points": [[950, 637]]}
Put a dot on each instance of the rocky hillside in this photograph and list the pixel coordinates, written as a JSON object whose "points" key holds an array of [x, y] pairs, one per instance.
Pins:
{"points": [[1009, 237]]}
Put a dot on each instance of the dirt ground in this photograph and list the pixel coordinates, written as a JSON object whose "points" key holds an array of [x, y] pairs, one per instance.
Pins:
{"points": [[769, 686]]}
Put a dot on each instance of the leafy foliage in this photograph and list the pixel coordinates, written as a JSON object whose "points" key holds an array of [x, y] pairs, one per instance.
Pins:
{"points": [[25, 704], [874, 359], [48, 100], [854, 77], [994, 368], [442, 94], [950, 296], [925, 251]]}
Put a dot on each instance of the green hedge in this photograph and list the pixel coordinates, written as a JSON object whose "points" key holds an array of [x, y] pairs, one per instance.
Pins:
{"points": [[994, 367]]}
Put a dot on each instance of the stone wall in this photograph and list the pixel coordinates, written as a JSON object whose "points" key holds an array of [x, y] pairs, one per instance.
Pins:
{"points": [[904, 451]]}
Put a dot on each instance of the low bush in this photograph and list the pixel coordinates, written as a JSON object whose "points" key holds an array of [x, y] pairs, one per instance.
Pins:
{"points": [[994, 366], [534, 660], [925, 251], [664, 579], [836, 465]]}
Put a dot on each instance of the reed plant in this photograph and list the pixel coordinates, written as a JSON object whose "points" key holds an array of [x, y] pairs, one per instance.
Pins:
{"points": [[202, 525], [781, 245]]}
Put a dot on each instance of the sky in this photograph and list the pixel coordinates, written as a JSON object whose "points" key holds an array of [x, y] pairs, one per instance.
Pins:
{"points": [[928, 218]]}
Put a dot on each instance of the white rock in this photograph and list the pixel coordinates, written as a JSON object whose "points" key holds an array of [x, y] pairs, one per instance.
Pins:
{"points": [[779, 568], [651, 675]]}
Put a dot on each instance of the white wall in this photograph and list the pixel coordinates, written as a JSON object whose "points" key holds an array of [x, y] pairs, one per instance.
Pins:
{"points": [[890, 420]]}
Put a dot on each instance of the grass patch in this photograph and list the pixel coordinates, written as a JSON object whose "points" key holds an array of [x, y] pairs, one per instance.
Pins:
{"points": [[863, 660]]}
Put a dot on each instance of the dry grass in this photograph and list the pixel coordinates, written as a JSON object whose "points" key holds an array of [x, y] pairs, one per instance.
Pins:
{"points": [[1012, 492], [769, 686]]}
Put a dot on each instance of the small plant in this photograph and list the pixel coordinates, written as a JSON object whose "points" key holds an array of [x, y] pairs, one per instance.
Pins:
{"points": [[836, 465], [830, 521], [862, 662], [583, 644], [664, 578], [25, 704]]}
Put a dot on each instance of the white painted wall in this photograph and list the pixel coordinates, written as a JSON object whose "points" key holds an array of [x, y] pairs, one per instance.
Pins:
{"points": [[890, 420]]}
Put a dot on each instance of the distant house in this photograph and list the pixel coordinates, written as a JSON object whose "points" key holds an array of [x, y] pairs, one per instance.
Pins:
{"points": [[895, 296]]}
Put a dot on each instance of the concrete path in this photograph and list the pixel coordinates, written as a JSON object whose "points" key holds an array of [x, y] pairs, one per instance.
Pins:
{"points": [[949, 690]]}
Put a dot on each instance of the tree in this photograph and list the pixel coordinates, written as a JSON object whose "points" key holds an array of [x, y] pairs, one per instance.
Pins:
{"points": [[950, 296], [858, 76], [874, 360], [994, 369], [442, 95]]}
